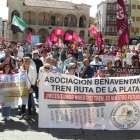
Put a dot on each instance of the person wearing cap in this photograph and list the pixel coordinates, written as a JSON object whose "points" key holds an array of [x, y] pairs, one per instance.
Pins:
{"points": [[101, 72], [70, 59], [87, 71], [96, 61]]}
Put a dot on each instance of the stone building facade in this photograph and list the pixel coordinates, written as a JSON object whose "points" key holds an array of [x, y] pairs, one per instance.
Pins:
{"points": [[43, 16], [0, 27], [3, 28], [106, 20]]}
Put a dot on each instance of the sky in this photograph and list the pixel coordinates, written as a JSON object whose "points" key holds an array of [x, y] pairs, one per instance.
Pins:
{"points": [[93, 3]]}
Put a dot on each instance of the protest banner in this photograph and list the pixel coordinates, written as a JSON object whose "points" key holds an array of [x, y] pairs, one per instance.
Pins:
{"points": [[106, 58], [67, 101], [126, 71], [12, 87]]}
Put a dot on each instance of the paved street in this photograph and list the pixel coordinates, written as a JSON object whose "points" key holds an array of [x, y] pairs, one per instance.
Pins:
{"points": [[16, 129]]}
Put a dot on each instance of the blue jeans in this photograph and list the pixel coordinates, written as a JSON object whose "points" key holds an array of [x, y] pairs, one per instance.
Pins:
{"points": [[31, 103], [6, 111]]}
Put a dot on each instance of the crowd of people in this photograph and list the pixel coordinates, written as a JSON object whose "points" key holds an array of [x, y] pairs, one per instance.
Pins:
{"points": [[80, 61]]}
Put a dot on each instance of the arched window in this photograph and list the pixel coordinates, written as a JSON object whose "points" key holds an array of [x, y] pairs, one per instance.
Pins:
{"points": [[43, 18], [30, 17], [70, 20], [82, 21]]}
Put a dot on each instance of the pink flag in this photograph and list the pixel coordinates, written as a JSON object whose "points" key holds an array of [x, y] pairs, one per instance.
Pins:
{"points": [[54, 38], [76, 37], [28, 37], [58, 32], [122, 24], [83, 43], [99, 40], [94, 32], [48, 42], [68, 37]]}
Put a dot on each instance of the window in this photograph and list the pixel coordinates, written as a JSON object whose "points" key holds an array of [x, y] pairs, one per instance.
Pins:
{"points": [[133, 18], [108, 17], [81, 22], [133, 6], [52, 20], [136, 30], [66, 21], [137, 18], [132, 29], [138, 7], [107, 28], [108, 7], [114, 19]]}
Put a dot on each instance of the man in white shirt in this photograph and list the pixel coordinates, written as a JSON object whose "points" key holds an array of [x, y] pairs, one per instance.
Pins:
{"points": [[96, 61]]}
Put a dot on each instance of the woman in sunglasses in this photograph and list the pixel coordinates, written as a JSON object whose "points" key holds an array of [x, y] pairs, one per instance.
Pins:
{"points": [[45, 69]]}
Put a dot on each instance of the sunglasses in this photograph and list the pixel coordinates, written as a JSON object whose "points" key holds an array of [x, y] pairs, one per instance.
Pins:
{"points": [[47, 68]]}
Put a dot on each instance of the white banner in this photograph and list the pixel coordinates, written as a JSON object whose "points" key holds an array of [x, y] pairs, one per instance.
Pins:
{"points": [[106, 58], [12, 87], [102, 103]]}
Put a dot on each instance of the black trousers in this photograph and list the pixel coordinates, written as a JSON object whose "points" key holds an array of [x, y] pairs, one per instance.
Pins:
{"points": [[23, 109], [36, 91], [30, 104]]}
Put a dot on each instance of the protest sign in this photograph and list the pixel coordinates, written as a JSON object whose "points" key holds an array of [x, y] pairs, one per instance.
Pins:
{"points": [[102, 103], [35, 39], [12, 87]]}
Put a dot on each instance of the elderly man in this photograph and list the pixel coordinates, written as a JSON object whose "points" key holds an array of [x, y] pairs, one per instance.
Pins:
{"points": [[101, 72], [96, 61], [87, 71]]}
